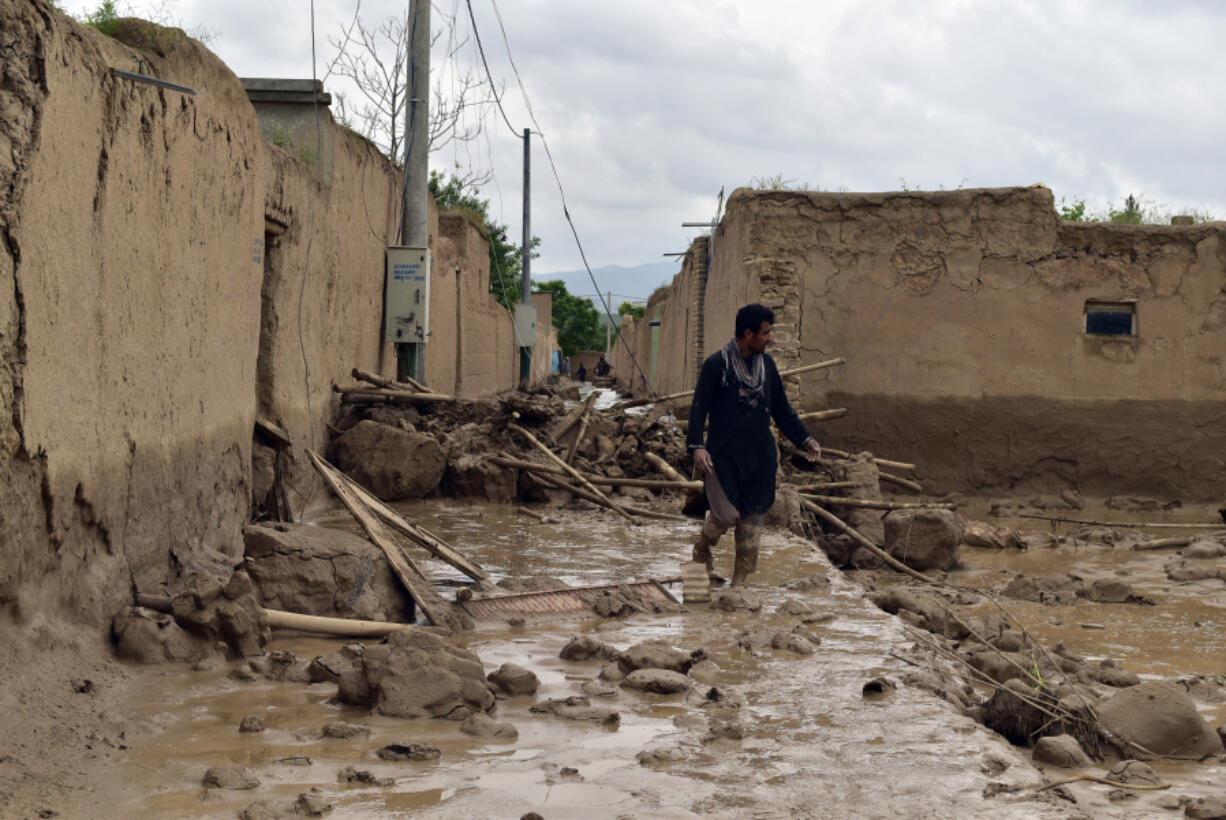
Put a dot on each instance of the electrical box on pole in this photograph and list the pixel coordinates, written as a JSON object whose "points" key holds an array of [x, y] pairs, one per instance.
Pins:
{"points": [[525, 325], [406, 296]]}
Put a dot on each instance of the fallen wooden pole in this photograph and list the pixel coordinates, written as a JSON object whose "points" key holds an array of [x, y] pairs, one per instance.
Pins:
{"points": [[1175, 542], [379, 381], [838, 523], [874, 504], [824, 415], [408, 396], [557, 482], [569, 469], [606, 481], [571, 419], [333, 626], [901, 482], [419, 535], [584, 417], [530, 513], [413, 579], [880, 462], [783, 374], [829, 485], [1123, 524], [668, 470]]}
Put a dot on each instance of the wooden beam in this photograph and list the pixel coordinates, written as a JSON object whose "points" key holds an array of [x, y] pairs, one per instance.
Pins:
{"points": [[874, 504], [379, 381], [583, 420], [274, 431], [824, 415], [407, 396], [571, 471], [413, 579], [880, 462]]}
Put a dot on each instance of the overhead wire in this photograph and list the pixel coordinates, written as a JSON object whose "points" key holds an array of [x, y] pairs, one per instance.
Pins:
{"points": [[558, 180], [494, 89]]}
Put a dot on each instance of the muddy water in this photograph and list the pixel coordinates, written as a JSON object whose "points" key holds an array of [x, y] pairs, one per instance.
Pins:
{"points": [[812, 746]]}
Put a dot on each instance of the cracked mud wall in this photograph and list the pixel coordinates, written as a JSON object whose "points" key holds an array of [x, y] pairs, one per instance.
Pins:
{"points": [[962, 316], [129, 307]]}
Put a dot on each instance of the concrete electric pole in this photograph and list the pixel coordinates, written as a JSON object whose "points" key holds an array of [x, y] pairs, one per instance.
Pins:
{"points": [[411, 358]]}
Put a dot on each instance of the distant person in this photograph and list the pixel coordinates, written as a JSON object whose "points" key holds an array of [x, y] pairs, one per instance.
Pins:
{"points": [[602, 367], [740, 390], [582, 373], [564, 368]]}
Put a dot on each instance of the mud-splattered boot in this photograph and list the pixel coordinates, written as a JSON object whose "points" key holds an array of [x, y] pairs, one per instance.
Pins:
{"points": [[708, 538], [746, 554]]}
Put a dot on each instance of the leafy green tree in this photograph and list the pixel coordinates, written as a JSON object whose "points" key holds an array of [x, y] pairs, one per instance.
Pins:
{"points": [[506, 259], [1075, 212], [103, 18], [576, 320], [627, 309], [1133, 212]]}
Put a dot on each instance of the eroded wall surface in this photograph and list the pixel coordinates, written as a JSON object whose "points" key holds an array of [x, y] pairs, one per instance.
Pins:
{"points": [[129, 312], [962, 316]]}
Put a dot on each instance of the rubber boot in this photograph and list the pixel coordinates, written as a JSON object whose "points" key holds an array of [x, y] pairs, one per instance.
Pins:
{"points": [[746, 554], [708, 538]]}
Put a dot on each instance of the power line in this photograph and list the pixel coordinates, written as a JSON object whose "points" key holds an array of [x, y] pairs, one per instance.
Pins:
{"points": [[493, 89], [557, 179]]}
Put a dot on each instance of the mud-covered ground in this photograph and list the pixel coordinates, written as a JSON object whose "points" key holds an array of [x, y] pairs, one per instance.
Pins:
{"points": [[792, 735]]}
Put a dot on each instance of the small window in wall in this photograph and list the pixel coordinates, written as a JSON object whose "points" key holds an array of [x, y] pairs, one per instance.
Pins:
{"points": [[1111, 318]]}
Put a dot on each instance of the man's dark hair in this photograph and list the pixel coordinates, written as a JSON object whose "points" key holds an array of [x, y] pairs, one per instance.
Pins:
{"points": [[751, 317]]}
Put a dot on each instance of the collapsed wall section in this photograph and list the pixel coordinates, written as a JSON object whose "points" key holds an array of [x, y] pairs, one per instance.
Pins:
{"points": [[129, 310]]}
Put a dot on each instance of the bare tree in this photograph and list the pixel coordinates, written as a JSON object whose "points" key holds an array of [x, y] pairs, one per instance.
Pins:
{"points": [[373, 60]]}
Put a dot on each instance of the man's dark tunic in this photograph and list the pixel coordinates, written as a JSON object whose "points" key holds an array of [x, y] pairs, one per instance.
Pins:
{"points": [[740, 441]]}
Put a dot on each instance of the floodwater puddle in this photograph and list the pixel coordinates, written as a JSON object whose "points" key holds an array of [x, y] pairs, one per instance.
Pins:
{"points": [[793, 736]]}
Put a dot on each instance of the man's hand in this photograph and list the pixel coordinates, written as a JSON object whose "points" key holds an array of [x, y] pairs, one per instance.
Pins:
{"points": [[702, 461], [813, 450]]}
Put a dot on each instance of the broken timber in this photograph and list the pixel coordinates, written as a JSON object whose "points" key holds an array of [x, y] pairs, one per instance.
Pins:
{"points": [[556, 482], [561, 601], [571, 419], [570, 470], [418, 586], [880, 462], [584, 417], [379, 381], [874, 504], [599, 480], [395, 396], [419, 535], [796, 371]]}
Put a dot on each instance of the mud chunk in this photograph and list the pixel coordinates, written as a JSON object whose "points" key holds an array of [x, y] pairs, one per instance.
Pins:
{"points": [[364, 776], [731, 600], [341, 730], [596, 689], [322, 571], [417, 674], [925, 539], [230, 776], [480, 724], [514, 679], [1113, 591], [398, 752], [1051, 590], [577, 708], [655, 655], [1062, 751], [145, 636], [585, 647], [999, 666], [659, 681], [725, 730], [312, 804], [815, 581], [1134, 771], [662, 756], [614, 604], [612, 673], [1108, 673], [1206, 808], [251, 723], [1135, 503], [391, 463], [330, 667], [474, 476], [807, 613], [1008, 641], [1160, 717], [986, 536], [1203, 550], [792, 642], [1182, 571], [1037, 540], [265, 810]]}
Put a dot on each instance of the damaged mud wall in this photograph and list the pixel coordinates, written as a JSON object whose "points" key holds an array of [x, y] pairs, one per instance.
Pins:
{"points": [[980, 368], [129, 312]]}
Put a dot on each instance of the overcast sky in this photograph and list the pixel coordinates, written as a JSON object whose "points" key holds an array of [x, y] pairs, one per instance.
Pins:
{"points": [[651, 106]]}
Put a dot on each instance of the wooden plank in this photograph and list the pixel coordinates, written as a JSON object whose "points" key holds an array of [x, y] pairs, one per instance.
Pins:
{"points": [[873, 504], [571, 419], [584, 417], [414, 580], [419, 535], [409, 396], [379, 381], [571, 471], [274, 431]]}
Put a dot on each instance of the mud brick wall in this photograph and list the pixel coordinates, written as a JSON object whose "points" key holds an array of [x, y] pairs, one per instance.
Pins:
{"points": [[129, 312], [167, 275], [979, 368]]}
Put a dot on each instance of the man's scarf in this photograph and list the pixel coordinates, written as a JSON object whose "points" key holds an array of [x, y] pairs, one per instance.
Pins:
{"points": [[750, 379]]}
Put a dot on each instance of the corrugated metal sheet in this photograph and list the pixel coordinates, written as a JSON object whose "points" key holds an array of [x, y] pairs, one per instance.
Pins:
{"points": [[562, 601]]}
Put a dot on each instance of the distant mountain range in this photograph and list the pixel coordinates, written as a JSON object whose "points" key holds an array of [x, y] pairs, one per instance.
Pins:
{"points": [[628, 284]]}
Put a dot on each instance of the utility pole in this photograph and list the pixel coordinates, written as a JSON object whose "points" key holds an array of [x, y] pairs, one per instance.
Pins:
{"points": [[411, 358], [525, 317]]}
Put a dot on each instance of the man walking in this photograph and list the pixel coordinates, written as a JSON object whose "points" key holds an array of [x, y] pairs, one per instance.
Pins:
{"points": [[740, 390]]}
